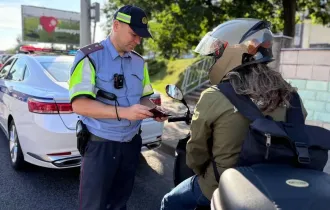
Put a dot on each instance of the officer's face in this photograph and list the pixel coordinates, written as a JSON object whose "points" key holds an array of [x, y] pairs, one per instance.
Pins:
{"points": [[127, 38]]}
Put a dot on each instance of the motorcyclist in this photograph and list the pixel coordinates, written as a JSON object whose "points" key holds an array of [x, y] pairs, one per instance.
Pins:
{"points": [[240, 49]]}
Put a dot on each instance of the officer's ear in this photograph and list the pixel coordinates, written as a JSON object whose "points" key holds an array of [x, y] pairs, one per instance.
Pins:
{"points": [[116, 25]]}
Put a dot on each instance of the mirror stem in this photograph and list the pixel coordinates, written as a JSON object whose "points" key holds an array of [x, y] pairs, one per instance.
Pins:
{"points": [[185, 103]]}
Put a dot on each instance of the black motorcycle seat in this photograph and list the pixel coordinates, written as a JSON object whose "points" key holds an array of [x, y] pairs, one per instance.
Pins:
{"points": [[263, 187]]}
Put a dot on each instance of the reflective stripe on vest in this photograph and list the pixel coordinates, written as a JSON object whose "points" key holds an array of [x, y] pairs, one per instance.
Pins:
{"points": [[147, 88], [82, 80]]}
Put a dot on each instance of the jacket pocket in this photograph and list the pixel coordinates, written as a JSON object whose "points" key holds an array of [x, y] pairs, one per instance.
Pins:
{"points": [[136, 86]]}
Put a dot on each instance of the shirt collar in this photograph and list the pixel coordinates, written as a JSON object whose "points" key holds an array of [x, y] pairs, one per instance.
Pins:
{"points": [[113, 51]]}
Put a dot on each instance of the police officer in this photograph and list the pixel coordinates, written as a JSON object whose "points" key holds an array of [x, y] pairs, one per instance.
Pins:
{"points": [[111, 67]]}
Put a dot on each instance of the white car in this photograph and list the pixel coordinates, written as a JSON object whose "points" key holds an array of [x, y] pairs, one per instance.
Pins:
{"points": [[36, 114]]}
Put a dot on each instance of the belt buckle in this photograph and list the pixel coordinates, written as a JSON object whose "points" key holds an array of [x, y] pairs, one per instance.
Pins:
{"points": [[302, 152]]}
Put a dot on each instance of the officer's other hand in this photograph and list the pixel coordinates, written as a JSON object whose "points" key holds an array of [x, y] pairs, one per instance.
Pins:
{"points": [[137, 112]]}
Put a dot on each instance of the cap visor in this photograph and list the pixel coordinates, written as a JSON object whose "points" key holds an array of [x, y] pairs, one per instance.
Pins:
{"points": [[142, 32]]}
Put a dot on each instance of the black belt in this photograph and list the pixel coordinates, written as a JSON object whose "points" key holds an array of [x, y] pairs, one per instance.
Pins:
{"points": [[97, 138]]}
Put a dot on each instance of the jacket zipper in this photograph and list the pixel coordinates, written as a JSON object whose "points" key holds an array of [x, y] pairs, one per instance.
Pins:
{"points": [[268, 143]]}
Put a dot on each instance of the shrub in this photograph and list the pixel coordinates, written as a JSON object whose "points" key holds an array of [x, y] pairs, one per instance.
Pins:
{"points": [[155, 66]]}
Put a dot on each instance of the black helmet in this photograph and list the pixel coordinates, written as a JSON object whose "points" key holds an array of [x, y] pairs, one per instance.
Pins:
{"points": [[236, 43]]}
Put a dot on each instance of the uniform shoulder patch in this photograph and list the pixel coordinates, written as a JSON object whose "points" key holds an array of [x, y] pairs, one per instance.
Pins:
{"points": [[134, 52], [91, 48]]}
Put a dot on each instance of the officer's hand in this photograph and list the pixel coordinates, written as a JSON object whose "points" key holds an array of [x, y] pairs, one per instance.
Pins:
{"points": [[137, 112], [161, 119]]}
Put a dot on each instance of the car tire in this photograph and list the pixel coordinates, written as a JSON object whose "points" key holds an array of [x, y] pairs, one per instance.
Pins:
{"points": [[15, 150]]}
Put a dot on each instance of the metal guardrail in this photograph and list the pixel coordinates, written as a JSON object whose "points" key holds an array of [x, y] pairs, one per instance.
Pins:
{"points": [[196, 75]]}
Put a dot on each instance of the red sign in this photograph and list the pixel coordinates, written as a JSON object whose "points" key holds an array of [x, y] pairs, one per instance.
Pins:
{"points": [[48, 23]]}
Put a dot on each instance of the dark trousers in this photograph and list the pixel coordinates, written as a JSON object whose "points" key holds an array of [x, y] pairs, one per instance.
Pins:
{"points": [[107, 174]]}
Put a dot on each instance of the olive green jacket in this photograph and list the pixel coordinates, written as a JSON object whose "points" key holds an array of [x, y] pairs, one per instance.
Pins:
{"points": [[215, 116]]}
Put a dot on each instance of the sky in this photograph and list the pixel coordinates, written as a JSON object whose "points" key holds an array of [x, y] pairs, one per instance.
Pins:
{"points": [[11, 20]]}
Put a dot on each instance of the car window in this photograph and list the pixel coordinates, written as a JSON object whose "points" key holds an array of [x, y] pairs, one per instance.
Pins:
{"points": [[5, 69], [26, 73], [2, 59], [59, 70], [5, 58], [16, 73]]}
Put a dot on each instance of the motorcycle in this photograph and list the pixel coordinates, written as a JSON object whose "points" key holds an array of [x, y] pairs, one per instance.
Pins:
{"points": [[257, 187], [272, 187]]}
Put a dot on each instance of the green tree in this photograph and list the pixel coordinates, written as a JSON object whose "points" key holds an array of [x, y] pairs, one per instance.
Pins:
{"points": [[177, 26]]}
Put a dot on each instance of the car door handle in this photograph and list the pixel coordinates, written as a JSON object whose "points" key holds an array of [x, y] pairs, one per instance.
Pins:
{"points": [[10, 88]]}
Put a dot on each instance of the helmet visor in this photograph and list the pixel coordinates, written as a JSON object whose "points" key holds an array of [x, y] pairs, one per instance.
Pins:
{"points": [[211, 46]]}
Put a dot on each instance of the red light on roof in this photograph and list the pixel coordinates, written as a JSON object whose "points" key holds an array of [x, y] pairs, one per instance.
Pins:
{"points": [[32, 48]]}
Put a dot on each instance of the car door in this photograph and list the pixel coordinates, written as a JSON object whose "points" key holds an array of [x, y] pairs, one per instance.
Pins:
{"points": [[15, 100], [4, 90]]}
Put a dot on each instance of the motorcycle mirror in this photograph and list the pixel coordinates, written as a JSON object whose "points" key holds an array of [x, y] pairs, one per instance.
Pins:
{"points": [[174, 92]]}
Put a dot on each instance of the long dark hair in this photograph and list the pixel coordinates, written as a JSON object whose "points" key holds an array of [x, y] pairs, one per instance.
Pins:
{"points": [[266, 87]]}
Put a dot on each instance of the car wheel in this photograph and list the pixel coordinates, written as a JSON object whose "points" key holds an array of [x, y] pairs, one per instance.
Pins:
{"points": [[15, 151]]}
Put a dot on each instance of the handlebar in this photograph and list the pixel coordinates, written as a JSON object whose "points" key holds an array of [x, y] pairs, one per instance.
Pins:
{"points": [[177, 119]]}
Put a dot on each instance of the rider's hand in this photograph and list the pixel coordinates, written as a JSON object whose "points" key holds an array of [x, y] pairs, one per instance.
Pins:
{"points": [[135, 112]]}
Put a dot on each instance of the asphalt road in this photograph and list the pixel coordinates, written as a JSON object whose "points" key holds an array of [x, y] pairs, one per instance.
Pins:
{"points": [[49, 189]]}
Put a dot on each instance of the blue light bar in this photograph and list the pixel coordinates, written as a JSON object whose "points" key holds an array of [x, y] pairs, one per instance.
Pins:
{"points": [[72, 52]]}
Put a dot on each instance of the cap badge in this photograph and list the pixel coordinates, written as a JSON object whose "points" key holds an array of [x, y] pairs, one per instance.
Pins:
{"points": [[144, 20]]}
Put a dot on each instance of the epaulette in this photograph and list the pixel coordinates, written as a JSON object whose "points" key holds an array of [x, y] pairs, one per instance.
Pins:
{"points": [[91, 48], [137, 54]]}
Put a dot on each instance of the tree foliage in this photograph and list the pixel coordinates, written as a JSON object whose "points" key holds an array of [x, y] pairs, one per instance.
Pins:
{"points": [[177, 26]]}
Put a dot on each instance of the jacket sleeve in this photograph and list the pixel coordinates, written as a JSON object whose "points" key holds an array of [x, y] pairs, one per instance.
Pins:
{"points": [[147, 88], [197, 149], [82, 78]]}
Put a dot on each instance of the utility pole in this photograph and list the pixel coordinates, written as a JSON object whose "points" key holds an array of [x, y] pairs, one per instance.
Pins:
{"points": [[95, 16], [85, 23]]}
